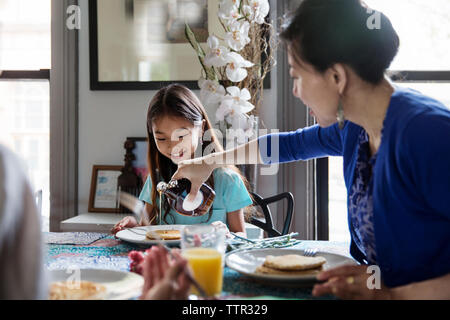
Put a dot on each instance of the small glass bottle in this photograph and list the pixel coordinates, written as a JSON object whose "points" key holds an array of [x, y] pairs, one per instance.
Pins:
{"points": [[176, 192]]}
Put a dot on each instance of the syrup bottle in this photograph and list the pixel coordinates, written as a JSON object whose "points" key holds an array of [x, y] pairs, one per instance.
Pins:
{"points": [[176, 192]]}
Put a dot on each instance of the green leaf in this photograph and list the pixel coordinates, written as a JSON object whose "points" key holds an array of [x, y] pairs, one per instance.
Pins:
{"points": [[190, 36]]}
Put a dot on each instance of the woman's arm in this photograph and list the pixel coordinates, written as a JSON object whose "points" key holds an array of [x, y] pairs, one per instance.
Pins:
{"points": [[198, 170], [302, 144], [433, 289]]}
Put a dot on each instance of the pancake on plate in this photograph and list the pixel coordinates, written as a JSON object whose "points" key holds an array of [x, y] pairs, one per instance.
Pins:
{"points": [[164, 234], [267, 270], [83, 290], [291, 264]]}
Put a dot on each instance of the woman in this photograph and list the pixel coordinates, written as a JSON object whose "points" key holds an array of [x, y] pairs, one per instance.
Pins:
{"points": [[395, 144]]}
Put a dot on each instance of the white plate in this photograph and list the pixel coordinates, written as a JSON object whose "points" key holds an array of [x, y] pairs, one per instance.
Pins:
{"points": [[119, 285], [137, 235], [246, 261]]}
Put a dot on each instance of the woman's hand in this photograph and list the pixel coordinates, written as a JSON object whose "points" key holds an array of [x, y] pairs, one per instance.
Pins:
{"points": [[197, 173], [349, 282], [165, 279], [127, 222]]}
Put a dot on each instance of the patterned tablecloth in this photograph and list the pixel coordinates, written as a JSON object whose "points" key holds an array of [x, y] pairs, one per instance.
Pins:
{"points": [[111, 253]]}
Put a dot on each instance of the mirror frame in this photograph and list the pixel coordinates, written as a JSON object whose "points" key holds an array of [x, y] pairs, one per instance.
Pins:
{"points": [[95, 84]]}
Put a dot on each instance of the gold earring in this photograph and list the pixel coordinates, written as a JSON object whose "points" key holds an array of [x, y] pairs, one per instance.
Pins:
{"points": [[340, 115]]}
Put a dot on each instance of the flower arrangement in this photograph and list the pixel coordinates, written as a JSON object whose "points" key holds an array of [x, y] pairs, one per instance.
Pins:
{"points": [[235, 64]]}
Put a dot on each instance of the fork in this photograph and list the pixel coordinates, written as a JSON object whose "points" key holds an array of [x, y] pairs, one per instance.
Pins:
{"points": [[309, 252], [132, 203]]}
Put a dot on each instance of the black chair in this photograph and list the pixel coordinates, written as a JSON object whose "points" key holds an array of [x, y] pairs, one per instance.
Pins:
{"points": [[267, 225]]}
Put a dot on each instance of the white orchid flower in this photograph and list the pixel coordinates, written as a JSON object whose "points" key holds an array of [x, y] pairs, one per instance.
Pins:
{"points": [[257, 10], [242, 126], [222, 111], [217, 56], [229, 11], [235, 69], [237, 37], [211, 92], [237, 100]]}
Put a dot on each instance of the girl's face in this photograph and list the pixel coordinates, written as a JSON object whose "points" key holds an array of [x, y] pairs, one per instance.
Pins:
{"points": [[176, 138], [315, 90]]}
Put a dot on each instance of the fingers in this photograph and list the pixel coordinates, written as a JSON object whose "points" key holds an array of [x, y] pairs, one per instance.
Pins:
{"points": [[344, 288], [343, 271], [194, 190], [178, 174], [127, 222], [337, 286], [153, 267], [177, 268]]}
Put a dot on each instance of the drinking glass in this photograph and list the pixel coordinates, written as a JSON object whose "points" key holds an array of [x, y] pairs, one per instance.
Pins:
{"points": [[204, 248]]}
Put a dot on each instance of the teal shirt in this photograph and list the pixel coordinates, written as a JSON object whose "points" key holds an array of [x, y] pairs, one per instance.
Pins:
{"points": [[231, 195]]}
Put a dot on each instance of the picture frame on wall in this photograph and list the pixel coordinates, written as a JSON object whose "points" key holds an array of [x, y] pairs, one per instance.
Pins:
{"points": [[141, 44], [104, 189]]}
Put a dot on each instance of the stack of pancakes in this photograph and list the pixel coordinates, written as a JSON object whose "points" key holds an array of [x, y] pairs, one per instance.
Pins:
{"points": [[82, 290], [291, 264], [164, 235]]}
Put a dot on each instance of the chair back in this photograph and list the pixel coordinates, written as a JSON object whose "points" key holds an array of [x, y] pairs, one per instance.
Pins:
{"points": [[267, 225]]}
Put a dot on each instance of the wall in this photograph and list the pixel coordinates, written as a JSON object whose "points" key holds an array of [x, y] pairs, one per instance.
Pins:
{"points": [[106, 118]]}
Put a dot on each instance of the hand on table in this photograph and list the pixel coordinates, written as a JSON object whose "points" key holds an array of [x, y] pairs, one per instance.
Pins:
{"points": [[349, 282], [165, 279], [127, 222]]}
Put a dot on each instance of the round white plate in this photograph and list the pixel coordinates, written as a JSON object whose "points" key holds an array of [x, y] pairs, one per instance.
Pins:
{"points": [[137, 235], [119, 285], [246, 261]]}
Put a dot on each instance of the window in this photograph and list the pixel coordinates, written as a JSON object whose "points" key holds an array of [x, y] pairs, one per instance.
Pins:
{"points": [[24, 88], [424, 31]]}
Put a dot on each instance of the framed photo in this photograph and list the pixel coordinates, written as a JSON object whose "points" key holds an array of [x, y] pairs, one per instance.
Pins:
{"points": [[141, 44], [139, 163], [103, 193]]}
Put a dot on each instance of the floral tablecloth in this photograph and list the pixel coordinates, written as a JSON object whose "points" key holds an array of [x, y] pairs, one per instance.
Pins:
{"points": [[111, 253]]}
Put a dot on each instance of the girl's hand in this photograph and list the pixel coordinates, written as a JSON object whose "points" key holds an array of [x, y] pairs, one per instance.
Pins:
{"points": [[127, 222], [349, 282], [197, 173], [164, 279]]}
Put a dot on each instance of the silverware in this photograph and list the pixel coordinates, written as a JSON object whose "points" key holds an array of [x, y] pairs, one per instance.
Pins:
{"points": [[242, 238], [309, 252], [137, 207]]}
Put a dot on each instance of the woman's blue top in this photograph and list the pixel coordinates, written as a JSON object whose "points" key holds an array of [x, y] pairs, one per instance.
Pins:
{"points": [[405, 198]]}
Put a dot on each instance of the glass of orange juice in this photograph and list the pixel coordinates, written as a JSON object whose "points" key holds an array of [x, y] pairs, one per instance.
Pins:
{"points": [[204, 248]]}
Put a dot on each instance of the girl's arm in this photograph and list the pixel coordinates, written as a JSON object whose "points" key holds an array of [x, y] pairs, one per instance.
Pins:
{"points": [[236, 222], [147, 219]]}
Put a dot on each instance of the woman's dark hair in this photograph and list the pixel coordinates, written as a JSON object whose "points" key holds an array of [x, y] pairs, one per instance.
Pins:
{"points": [[325, 32], [176, 101]]}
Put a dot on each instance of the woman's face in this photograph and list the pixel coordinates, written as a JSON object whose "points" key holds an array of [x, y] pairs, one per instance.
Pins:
{"points": [[315, 90], [176, 138]]}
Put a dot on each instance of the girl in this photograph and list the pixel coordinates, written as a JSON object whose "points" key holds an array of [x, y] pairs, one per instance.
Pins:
{"points": [[176, 123]]}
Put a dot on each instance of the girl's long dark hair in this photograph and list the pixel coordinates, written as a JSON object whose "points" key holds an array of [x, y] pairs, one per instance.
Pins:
{"points": [[176, 101]]}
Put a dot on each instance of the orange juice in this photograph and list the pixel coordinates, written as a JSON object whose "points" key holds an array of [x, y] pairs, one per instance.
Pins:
{"points": [[206, 265]]}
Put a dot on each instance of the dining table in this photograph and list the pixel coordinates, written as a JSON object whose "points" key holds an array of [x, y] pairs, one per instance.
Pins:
{"points": [[88, 250]]}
